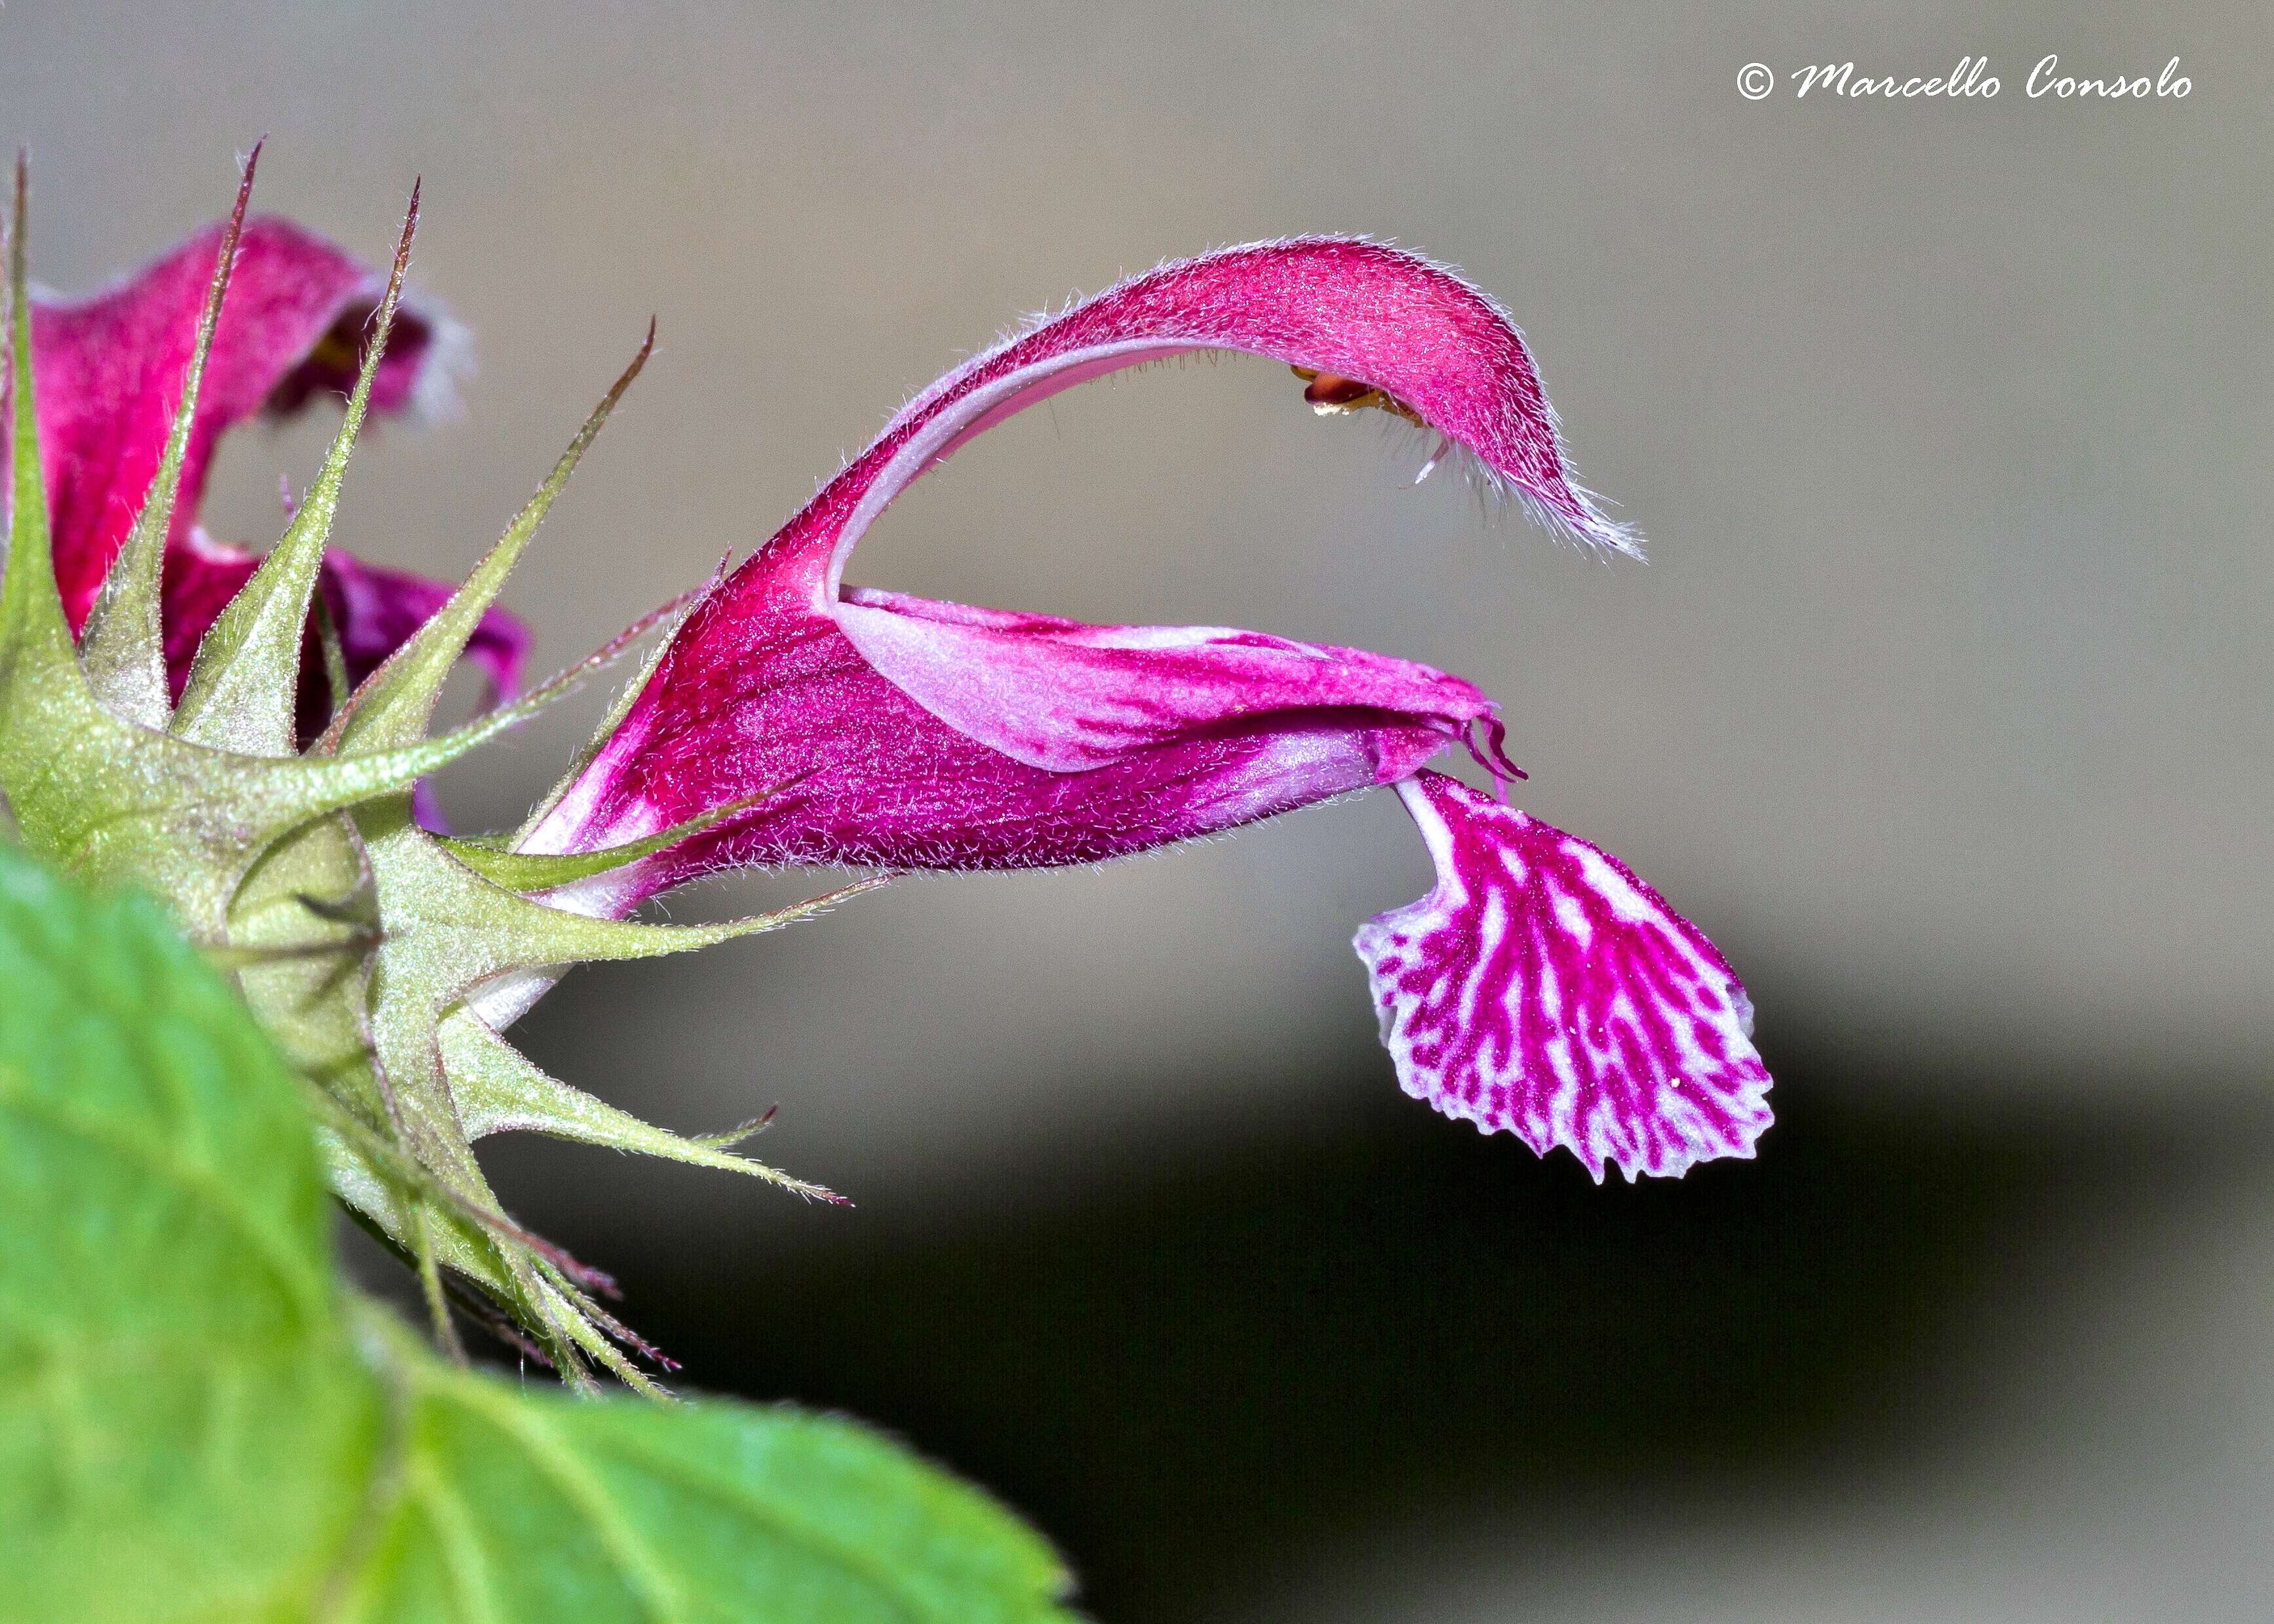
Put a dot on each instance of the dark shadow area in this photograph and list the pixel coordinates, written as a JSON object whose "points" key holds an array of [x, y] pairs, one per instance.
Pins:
{"points": [[1231, 1357]]}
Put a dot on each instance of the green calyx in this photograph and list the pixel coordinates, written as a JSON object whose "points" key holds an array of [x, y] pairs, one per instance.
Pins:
{"points": [[355, 936]]}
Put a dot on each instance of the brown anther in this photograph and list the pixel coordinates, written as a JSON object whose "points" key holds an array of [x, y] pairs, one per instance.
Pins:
{"points": [[1331, 395]]}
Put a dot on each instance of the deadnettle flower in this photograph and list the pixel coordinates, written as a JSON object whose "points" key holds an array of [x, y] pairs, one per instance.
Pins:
{"points": [[244, 737], [1541, 988]]}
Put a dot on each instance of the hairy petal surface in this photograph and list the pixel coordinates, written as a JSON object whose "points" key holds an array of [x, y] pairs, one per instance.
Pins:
{"points": [[871, 776], [947, 736], [112, 369], [1359, 313], [1069, 697], [1542, 988]]}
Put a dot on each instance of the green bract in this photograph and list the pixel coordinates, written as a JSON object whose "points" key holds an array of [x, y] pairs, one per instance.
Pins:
{"points": [[198, 1422], [354, 934]]}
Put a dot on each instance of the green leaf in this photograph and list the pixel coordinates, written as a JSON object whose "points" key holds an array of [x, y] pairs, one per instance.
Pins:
{"points": [[704, 1512], [197, 1423], [184, 1432]]}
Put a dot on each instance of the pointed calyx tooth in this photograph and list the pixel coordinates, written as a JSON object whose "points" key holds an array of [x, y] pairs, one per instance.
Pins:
{"points": [[244, 685], [298, 787], [493, 931], [353, 934], [536, 871], [497, 1090], [397, 700], [33, 628], [448, 931], [334, 652], [123, 645], [670, 617]]}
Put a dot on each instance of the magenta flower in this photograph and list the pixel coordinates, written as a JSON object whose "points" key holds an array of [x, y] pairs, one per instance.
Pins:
{"points": [[112, 368], [1540, 988]]}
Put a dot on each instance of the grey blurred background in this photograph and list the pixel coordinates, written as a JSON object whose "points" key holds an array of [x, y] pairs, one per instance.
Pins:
{"points": [[1943, 706]]}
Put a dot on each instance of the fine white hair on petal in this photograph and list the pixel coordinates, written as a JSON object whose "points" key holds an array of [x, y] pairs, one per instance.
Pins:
{"points": [[1589, 526]]}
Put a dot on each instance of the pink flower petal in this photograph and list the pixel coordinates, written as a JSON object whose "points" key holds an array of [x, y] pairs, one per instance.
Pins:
{"points": [[1358, 311], [1542, 988], [1068, 697], [110, 371], [378, 609], [375, 610], [999, 690], [774, 694]]}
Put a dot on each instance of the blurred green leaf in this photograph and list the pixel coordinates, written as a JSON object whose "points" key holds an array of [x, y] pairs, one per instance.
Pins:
{"points": [[196, 1423], [708, 1512], [184, 1430]]}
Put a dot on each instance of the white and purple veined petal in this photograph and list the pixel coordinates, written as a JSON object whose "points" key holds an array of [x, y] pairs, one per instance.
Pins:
{"points": [[1544, 989]]}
